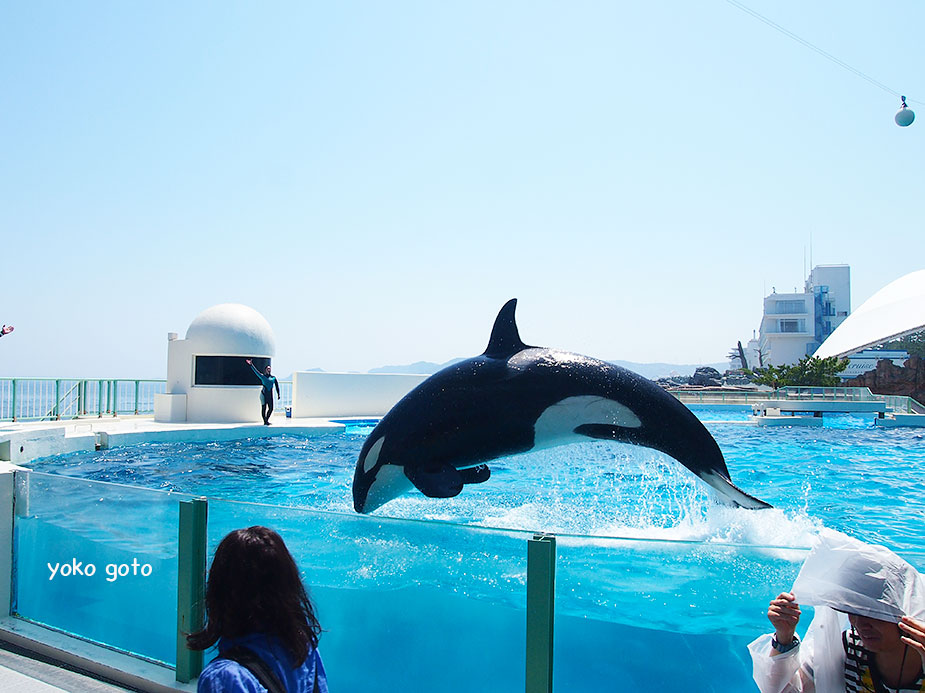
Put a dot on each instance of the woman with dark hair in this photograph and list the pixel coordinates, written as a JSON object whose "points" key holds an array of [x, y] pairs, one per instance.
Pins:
{"points": [[260, 615]]}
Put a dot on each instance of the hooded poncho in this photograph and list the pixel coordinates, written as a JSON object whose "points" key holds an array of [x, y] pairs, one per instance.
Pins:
{"points": [[841, 575]]}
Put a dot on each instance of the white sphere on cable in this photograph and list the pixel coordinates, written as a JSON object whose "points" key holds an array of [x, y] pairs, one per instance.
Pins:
{"points": [[904, 117]]}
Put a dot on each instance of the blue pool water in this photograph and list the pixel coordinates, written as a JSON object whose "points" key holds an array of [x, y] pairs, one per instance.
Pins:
{"points": [[851, 476], [646, 559]]}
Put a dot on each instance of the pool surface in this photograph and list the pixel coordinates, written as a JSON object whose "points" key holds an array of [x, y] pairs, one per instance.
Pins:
{"points": [[849, 476]]}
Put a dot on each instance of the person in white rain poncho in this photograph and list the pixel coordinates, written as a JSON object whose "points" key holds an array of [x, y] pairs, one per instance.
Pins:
{"points": [[867, 634]]}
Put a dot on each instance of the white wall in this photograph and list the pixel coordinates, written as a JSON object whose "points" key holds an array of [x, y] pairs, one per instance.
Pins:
{"points": [[179, 366], [224, 404], [349, 394]]}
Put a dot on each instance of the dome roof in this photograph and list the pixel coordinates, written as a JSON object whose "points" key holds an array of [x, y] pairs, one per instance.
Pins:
{"points": [[896, 310], [231, 329]]}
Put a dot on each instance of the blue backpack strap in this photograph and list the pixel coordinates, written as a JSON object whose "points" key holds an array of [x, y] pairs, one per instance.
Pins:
{"points": [[255, 665]]}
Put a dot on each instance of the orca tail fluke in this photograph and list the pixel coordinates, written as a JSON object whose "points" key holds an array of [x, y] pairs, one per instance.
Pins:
{"points": [[729, 492], [712, 475]]}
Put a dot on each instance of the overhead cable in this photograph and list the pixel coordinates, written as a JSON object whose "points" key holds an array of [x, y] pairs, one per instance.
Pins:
{"points": [[825, 54]]}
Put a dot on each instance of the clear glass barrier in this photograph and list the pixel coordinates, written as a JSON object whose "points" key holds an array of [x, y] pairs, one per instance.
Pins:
{"points": [[650, 615], [429, 606], [98, 561]]}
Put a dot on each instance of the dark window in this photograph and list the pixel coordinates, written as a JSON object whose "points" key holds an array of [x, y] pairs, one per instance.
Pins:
{"points": [[227, 370], [790, 307]]}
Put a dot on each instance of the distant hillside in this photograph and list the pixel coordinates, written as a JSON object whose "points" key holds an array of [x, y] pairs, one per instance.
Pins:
{"points": [[663, 370], [421, 367], [648, 370]]}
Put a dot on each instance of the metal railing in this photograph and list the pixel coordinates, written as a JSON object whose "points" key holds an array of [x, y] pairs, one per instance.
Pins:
{"points": [[900, 404], [841, 394], [894, 403], [54, 399]]}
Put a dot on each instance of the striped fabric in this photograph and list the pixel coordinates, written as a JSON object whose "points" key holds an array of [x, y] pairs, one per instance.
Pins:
{"points": [[860, 677]]}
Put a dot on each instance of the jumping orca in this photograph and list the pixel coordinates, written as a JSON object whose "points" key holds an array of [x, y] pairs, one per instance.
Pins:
{"points": [[515, 398]]}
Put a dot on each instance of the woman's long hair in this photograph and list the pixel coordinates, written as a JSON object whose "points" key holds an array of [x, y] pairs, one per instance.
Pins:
{"points": [[254, 587]]}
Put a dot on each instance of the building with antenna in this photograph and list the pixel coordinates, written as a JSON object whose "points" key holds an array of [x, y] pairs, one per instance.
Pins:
{"points": [[795, 324]]}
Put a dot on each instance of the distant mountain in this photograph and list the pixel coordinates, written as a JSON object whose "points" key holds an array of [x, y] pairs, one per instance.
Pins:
{"points": [[420, 368], [648, 370], [653, 371]]}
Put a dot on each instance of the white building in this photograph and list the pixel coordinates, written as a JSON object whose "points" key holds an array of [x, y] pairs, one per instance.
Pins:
{"points": [[794, 325], [896, 310], [208, 379]]}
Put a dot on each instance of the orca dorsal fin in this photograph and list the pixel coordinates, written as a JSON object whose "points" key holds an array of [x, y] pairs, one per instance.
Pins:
{"points": [[505, 340]]}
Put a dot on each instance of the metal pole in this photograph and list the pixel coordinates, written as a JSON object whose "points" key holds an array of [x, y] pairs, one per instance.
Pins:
{"points": [[100, 408], [541, 594], [13, 412], [137, 391], [191, 581]]}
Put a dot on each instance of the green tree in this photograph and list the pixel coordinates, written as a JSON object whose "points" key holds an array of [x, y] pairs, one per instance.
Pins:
{"points": [[808, 371], [913, 343]]}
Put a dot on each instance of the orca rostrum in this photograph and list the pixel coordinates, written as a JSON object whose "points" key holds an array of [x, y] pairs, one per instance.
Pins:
{"points": [[515, 398]]}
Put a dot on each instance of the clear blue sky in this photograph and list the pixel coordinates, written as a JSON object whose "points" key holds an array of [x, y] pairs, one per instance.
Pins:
{"points": [[378, 178]]}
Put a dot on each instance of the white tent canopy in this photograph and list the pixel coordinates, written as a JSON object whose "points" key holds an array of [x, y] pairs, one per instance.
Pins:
{"points": [[895, 311]]}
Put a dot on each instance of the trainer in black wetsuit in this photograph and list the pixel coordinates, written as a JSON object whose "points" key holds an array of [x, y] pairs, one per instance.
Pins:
{"points": [[266, 394]]}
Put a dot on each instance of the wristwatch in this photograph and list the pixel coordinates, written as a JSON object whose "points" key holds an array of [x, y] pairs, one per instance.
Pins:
{"points": [[784, 648]]}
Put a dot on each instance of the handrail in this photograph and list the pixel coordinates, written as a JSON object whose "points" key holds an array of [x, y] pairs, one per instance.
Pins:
{"points": [[894, 403], [54, 411], [44, 399]]}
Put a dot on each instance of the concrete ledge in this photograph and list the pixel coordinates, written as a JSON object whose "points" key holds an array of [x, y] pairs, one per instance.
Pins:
{"points": [[808, 421], [30, 443], [902, 421], [203, 433], [99, 661], [832, 406]]}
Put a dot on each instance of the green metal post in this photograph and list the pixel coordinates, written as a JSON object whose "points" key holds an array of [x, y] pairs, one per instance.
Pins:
{"points": [[80, 398], [99, 412], [541, 595], [137, 391], [191, 584], [57, 399], [13, 403]]}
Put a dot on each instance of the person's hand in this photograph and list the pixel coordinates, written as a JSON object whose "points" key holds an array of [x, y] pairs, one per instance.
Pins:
{"points": [[914, 635], [784, 615], [249, 362], [6, 329]]}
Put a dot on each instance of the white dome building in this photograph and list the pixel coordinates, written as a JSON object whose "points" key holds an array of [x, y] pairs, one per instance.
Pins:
{"points": [[896, 310], [231, 328], [208, 379]]}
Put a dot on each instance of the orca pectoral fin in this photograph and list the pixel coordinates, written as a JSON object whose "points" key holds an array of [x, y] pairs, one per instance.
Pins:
{"points": [[475, 475], [436, 482]]}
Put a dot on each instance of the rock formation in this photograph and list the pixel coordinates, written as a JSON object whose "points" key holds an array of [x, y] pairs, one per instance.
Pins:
{"points": [[887, 379], [705, 376]]}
